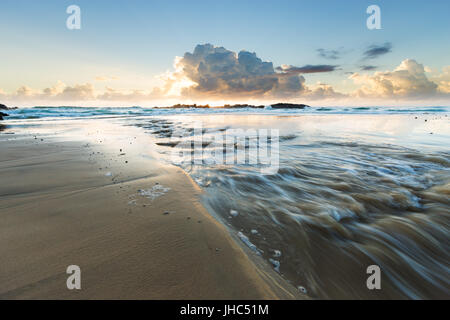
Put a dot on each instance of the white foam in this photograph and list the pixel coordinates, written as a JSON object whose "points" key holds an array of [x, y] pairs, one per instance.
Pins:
{"points": [[245, 240], [234, 213], [276, 264], [276, 253], [302, 289], [154, 192]]}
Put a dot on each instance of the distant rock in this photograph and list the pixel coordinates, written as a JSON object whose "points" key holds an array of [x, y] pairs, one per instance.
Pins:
{"points": [[289, 106], [3, 107], [186, 106], [236, 106], [2, 115]]}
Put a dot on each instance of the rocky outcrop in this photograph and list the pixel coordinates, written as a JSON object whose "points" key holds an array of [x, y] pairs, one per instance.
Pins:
{"points": [[3, 107], [237, 106], [2, 115], [289, 106]]}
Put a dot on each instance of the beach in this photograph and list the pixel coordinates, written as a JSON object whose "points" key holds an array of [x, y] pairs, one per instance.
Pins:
{"points": [[141, 202], [70, 195]]}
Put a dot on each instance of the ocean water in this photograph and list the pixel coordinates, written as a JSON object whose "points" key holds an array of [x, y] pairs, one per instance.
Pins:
{"points": [[76, 112], [352, 187]]}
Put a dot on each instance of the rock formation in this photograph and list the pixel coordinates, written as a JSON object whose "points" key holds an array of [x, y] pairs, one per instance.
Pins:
{"points": [[289, 106]]}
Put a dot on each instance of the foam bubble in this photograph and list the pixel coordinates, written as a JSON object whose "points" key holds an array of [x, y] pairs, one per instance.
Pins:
{"points": [[154, 192]]}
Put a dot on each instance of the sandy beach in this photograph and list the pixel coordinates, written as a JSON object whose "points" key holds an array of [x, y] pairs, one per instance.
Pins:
{"points": [[97, 198], [125, 198]]}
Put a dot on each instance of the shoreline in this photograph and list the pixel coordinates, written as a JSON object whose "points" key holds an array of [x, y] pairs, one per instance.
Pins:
{"points": [[74, 198]]}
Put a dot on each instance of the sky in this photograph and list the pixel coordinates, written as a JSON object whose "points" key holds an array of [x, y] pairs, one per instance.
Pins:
{"points": [[162, 52]]}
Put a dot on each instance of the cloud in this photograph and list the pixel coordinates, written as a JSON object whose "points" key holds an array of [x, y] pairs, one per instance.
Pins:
{"points": [[442, 79], [323, 91], [211, 71], [368, 68], [111, 94], [376, 51], [306, 69], [58, 92], [106, 78], [77, 92], [329, 54], [408, 80]]}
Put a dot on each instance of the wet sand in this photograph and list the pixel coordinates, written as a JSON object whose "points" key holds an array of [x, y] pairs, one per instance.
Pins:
{"points": [[70, 195]]}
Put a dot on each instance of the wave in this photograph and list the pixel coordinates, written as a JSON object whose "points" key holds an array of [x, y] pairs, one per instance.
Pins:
{"points": [[80, 112]]}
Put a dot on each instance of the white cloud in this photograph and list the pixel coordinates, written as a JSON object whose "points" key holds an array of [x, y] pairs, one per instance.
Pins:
{"points": [[77, 92], [408, 80], [58, 92], [106, 78], [111, 94], [443, 80], [323, 91]]}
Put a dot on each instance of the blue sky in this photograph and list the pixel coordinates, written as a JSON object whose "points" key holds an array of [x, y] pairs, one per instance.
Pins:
{"points": [[135, 42]]}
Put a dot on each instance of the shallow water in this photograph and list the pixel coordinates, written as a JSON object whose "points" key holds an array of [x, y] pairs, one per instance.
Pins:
{"points": [[350, 191], [83, 112]]}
